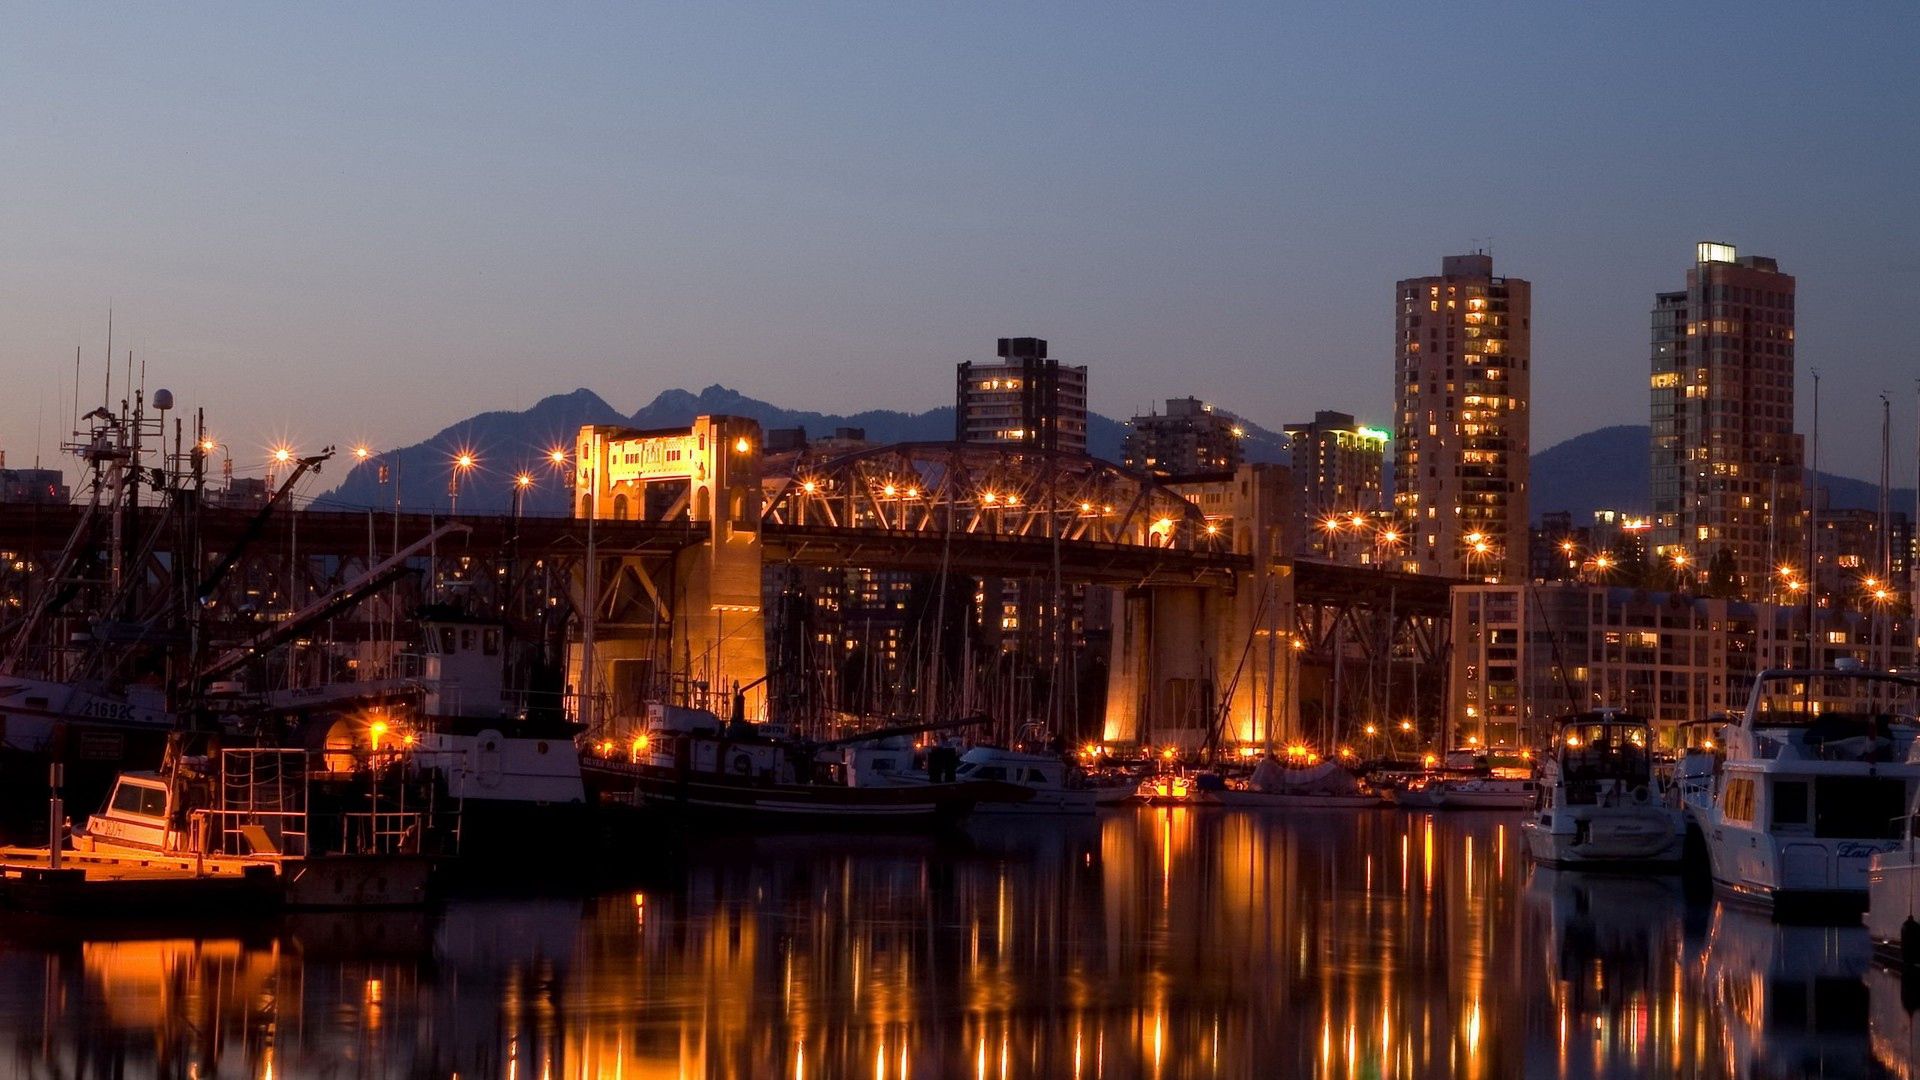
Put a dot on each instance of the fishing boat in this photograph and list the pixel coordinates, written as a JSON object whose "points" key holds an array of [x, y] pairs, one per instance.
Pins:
{"points": [[254, 810], [1597, 803], [1817, 781], [689, 764]]}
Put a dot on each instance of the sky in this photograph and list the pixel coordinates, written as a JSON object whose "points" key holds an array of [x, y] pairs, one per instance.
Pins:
{"points": [[341, 223]]}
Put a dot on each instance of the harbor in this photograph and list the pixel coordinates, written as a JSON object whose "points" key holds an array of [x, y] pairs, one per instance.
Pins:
{"points": [[1385, 944], [800, 542]]}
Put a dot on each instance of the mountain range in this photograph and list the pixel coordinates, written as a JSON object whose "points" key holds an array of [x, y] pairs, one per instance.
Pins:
{"points": [[1602, 469], [505, 443]]}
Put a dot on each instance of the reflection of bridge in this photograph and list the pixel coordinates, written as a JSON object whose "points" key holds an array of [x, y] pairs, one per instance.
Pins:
{"points": [[686, 525]]}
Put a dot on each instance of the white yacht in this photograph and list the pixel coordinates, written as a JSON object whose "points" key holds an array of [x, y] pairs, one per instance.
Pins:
{"points": [[1816, 781], [1597, 804], [1893, 904]]}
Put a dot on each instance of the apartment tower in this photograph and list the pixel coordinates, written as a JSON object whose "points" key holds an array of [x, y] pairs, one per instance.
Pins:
{"points": [[1726, 462], [1023, 398], [1462, 368]]}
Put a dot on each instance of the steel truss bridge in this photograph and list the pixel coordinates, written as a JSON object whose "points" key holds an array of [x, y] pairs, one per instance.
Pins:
{"points": [[921, 508]]}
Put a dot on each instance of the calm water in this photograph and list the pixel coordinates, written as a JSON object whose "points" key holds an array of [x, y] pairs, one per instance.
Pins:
{"points": [[1162, 943]]}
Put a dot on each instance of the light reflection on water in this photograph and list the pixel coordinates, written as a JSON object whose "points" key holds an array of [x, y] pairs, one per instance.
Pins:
{"points": [[1163, 943]]}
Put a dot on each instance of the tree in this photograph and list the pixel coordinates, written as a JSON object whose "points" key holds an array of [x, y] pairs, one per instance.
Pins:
{"points": [[1723, 581]]}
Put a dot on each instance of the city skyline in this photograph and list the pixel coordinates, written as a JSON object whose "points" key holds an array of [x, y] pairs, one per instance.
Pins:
{"points": [[404, 222]]}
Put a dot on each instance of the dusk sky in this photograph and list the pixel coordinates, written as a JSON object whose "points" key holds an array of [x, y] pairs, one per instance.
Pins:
{"points": [[335, 223]]}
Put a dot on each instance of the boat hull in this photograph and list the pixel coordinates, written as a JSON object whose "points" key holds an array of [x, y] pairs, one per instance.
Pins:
{"points": [[1639, 840], [1283, 800]]}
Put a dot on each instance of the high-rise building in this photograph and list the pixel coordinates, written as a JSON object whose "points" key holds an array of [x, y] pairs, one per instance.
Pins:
{"points": [[1190, 439], [1023, 398], [1337, 465], [1463, 364], [1726, 462]]}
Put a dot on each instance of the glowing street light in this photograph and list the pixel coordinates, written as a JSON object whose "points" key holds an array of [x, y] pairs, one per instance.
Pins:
{"points": [[362, 453], [463, 462]]}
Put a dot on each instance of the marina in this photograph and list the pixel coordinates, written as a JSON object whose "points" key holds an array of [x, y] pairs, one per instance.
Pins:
{"points": [[1395, 945]]}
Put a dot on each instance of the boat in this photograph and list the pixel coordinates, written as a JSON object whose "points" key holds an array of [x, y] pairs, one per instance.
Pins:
{"points": [[1597, 803], [1701, 745], [701, 771], [1273, 786], [241, 812], [511, 772], [1817, 781], [1466, 793], [1055, 786], [1893, 909]]}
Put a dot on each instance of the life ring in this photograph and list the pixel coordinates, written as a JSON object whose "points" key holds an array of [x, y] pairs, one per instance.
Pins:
{"points": [[1640, 795], [741, 763]]}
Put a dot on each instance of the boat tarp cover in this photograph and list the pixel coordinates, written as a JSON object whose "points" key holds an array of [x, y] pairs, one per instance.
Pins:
{"points": [[1326, 778]]}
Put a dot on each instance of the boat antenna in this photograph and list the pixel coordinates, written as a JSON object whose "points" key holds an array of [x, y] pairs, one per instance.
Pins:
{"points": [[1813, 528]]}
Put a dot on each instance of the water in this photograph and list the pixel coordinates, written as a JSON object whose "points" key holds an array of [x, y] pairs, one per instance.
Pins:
{"points": [[1157, 943]]}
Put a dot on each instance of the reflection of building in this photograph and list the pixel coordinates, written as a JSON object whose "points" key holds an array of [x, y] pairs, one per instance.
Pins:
{"points": [[1460, 455], [1025, 398], [1524, 654], [1337, 467], [1191, 439], [1726, 462]]}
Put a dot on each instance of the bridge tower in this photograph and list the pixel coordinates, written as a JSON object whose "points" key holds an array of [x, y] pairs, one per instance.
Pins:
{"points": [[691, 621]]}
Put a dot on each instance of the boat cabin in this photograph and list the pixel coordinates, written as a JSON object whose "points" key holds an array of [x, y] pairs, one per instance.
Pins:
{"points": [[1603, 757], [1847, 714], [463, 667], [136, 812]]}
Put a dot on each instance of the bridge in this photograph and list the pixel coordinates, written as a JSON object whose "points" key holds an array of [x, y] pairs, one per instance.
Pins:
{"points": [[682, 543]]}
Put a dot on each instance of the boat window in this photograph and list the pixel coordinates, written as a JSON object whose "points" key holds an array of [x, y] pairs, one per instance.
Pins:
{"points": [[1790, 802], [490, 642], [1737, 803], [965, 770], [990, 772], [883, 763], [1034, 776], [1858, 807], [446, 641], [126, 798]]}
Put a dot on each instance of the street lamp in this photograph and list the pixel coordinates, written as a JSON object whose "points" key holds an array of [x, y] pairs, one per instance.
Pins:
{"points": [[463, 462]]}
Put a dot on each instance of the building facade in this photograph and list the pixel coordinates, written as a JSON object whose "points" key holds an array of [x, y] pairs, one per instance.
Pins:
{"points": [[1189, 439], [1338, 489], [1524, 655], [1463, 365], [1024, 398], [1726, 462]]}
